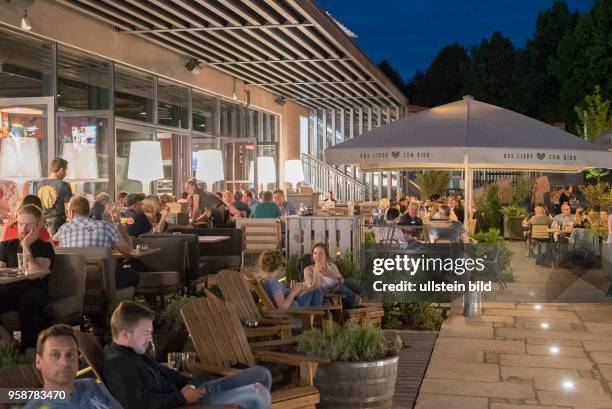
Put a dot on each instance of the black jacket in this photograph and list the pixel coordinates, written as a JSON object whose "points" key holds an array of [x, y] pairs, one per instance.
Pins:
{"points": [[138, 382]]}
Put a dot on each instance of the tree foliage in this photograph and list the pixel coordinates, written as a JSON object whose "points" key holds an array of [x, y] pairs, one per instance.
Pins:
{"points": [[432, 182], [443, 81], [594, 115], [568, 55]]}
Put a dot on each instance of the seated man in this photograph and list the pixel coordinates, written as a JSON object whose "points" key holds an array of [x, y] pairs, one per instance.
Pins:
{"points": [[28, 297], [134, 219], [82, 231], [565, 218], [57, 359], [138, 381], [10, 229], [455, 233], [266, 209], [411, 217]]}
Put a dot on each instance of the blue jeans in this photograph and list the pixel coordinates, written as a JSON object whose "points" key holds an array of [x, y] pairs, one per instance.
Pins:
{"points": [[351, 290], [249, 389], [311, 298]]}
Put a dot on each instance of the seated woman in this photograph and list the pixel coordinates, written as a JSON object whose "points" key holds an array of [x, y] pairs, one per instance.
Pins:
{"points": [[269, 264], [152, 208], [581, 221], [325, 275]]}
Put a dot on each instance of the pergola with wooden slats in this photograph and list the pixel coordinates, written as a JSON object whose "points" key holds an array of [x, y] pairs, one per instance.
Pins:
{"points": [[290, 47]]}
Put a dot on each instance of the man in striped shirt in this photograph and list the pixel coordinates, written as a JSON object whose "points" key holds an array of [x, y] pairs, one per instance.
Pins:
{"points": [[82, 231]]}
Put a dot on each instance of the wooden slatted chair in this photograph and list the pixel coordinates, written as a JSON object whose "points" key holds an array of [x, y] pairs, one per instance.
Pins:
{"points": [[235, 290], [92, 353], [259, 235], [221, 343], [309, 315]]}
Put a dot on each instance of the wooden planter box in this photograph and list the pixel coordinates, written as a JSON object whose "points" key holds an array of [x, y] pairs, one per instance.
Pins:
{"points": [[355, 385], [513, 228]]}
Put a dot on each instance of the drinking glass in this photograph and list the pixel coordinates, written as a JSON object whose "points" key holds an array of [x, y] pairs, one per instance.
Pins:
{"points": [[187, 360], [175, 360], [21, 268]]}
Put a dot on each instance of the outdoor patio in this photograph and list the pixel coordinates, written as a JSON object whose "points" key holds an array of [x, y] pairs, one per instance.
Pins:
{"points": [[519, 355]]}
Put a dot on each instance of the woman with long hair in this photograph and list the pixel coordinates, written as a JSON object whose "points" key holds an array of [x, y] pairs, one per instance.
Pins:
{"points": [[325, 275]]}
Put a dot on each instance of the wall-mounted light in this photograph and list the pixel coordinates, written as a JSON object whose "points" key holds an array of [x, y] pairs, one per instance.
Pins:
{"points": [[25, 23], [194, 66], [280, 100]]}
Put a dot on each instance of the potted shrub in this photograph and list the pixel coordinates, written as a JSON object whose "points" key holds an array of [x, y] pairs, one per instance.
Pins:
{"points": [[170, 333], [513, 222], [362, 367], [10, 356]]}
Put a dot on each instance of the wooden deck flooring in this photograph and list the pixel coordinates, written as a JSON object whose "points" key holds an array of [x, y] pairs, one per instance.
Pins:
{"points": [[412, 365]]}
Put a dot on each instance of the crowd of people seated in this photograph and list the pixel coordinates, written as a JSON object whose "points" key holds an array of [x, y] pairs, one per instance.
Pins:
{"points": [[404, 220]]}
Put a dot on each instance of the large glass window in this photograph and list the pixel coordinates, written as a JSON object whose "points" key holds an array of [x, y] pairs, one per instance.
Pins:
{"points": [[329, 126], [254, 124], [204, 113], [134, 93], [348, 132], [230, 119], [25, 66], [83, 82], [339, 125], [173, 104]]}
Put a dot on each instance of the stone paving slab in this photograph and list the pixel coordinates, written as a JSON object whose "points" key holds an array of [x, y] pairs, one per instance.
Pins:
{"points": [[598, 346], [493, 345], [559, 342], [506, 390], [531, 313], [435, 401], [462, 370], [552, 349], [601, 357], [518, 333], [539, 361], [545, 379]]}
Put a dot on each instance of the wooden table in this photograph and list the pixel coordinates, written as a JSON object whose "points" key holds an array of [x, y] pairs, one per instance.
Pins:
{"points": [[212, 239], [136, 254], [34, 275]]}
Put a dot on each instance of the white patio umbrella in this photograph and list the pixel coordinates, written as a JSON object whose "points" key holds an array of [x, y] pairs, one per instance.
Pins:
{"points": [[469, 135]]}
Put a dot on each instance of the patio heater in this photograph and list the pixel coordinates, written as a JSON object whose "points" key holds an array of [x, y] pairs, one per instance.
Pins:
{"points": [[209, 168], [294, 172], [20, 160], [145, 163]]}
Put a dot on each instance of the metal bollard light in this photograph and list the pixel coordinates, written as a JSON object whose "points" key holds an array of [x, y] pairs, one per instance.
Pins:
{"points": [[472, 303]]}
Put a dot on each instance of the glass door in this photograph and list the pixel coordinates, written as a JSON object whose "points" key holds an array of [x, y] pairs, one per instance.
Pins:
{"points": [[83, 139], [26, 146], [239, 161]]}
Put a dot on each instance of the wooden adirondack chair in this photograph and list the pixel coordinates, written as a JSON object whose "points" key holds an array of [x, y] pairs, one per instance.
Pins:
{"points": [[19, 377], [235, 290], [310, 315], [220, 342], [92, 354]]}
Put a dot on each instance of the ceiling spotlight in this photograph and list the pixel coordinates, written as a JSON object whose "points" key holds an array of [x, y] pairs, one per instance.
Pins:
{"points": [[280, 100], [25, 23], [194, 66]]}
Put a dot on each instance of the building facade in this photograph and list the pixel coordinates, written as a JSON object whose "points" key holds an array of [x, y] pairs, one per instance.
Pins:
{"points": [[132, 92]]}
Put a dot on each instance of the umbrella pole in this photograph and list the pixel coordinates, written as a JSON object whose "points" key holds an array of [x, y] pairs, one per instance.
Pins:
{"points": [[467, 183]]}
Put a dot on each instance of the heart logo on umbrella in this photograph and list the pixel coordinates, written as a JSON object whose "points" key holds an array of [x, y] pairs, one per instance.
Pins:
{"points": [[541, 155], [395, 154]]}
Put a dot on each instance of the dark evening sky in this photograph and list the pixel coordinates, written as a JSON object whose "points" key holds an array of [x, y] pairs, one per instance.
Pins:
{"points": [[409, 33]]}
